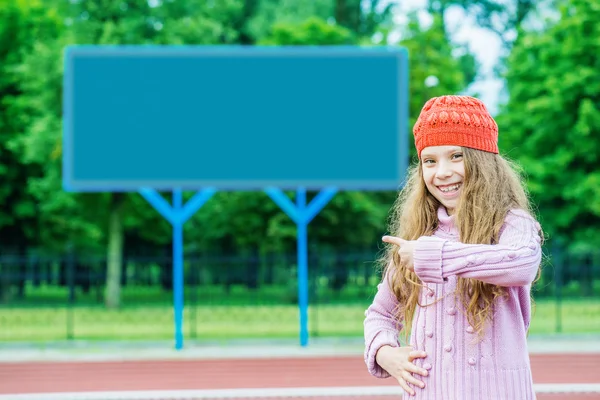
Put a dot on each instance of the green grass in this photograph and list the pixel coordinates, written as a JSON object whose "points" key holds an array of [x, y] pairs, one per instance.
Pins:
{"points": [[576, 316], [236, 322], [236, 294]]}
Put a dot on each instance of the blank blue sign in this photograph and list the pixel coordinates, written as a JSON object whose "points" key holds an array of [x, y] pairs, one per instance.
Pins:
{"points": [[234, 117]]}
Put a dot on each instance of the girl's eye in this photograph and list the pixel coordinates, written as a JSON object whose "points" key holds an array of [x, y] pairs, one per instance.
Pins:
{"points": [[428, 161], [456, 155]]}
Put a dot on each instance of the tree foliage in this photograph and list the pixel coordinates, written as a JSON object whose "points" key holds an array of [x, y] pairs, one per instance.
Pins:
{"points": [[551, 124], [38, 213], [24, 26], [502, 17]]}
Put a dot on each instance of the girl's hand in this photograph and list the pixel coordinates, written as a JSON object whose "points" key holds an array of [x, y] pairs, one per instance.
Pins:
{"points": [[407, 248], [398, 362]]}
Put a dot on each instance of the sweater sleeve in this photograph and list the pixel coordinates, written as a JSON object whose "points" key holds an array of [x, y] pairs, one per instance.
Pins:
{"points": [[381, 327], [514, 261]]}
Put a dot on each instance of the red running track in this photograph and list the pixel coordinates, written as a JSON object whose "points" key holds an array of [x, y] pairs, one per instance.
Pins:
{"points": [[57, 377]]}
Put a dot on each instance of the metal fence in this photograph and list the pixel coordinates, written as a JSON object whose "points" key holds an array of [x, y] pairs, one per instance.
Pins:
{"points": [[54, 298]]}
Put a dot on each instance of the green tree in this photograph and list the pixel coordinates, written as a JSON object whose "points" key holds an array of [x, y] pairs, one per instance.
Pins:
{"points": [[362, 18], [312, 31], [270, 12], [91, 221], [551, 123], [243, 222], [504, 18], [22, 25]]}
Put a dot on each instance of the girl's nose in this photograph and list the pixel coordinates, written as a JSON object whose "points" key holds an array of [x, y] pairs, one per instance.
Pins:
{"points": [[444, 171]]}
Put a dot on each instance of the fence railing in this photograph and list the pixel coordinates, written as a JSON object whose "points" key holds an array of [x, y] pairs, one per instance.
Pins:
{"points": [[234, 297]]}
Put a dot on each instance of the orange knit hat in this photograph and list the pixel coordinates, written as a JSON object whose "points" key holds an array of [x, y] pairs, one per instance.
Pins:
{"points": [[456, 121]]}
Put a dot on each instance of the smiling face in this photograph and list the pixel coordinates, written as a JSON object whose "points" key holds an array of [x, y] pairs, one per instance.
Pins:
{"points": [[444, 174]]}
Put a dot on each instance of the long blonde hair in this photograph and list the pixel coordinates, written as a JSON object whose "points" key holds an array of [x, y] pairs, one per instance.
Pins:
{"points": [[491, 188]]}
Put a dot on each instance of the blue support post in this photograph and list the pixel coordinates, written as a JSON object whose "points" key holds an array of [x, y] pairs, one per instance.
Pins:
{"points": [[302, 214], [302, 239], [177, 224], [177, 215]]}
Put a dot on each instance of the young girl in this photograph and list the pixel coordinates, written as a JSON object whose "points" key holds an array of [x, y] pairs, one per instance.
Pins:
{"points": [[459, 267]]}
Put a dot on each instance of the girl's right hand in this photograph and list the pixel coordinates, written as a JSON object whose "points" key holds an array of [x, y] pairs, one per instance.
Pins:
{"points": [[398, 362]]}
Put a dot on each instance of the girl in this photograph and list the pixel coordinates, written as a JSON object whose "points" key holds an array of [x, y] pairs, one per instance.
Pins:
{"points": [[459, 268]]}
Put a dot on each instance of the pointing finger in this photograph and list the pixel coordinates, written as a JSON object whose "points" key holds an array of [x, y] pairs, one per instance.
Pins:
{"points": [[393, 240]]}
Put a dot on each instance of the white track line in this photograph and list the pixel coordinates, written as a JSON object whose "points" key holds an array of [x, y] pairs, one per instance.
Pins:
{"points": [[592, 388], [267, 393]]}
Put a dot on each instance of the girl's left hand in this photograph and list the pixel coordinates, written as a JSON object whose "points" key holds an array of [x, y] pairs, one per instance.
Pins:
{"points": [[407, 248]]}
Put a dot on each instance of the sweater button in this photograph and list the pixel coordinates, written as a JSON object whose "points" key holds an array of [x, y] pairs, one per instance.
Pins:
{"points": [[471, 361], [430, 293], [427, 366], [448, 348], [470, 329], [429, 334], [470, 259], [451, 311]]}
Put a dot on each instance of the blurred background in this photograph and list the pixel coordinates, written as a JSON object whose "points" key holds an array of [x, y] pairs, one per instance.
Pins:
{"points": [[98, 267]]}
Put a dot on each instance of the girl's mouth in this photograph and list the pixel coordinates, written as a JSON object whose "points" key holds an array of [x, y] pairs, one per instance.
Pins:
{"points": [[450, 190]]}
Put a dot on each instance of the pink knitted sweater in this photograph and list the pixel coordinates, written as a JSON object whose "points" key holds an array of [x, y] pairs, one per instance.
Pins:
{"points": [[460, 366]]}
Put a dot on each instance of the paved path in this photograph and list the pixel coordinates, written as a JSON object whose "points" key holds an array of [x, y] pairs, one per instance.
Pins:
{"points": [[245, 373], [93, 370]]}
